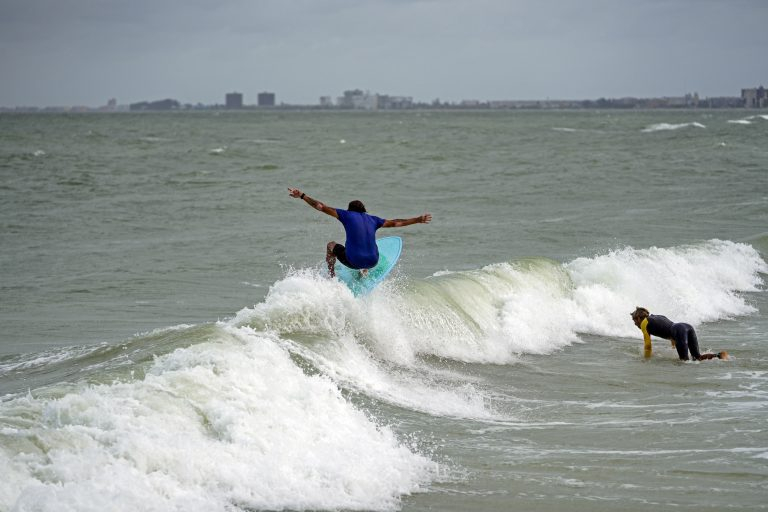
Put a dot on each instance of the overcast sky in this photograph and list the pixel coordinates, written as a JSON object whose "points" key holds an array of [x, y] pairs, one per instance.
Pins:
{"points": [[83, 52]]}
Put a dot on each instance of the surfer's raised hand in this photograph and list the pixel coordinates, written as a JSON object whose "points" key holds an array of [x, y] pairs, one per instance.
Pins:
{"points": [[314, 203], [399, 223]]}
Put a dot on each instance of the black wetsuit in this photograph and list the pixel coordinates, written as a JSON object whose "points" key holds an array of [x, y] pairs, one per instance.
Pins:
{"points": [[683, 335]]}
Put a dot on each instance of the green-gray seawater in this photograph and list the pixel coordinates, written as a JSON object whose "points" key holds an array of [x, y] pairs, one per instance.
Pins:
{"points": [[169, 339]]}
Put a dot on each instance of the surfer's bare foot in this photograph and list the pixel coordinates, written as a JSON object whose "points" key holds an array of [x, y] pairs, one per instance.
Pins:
{"points": [[722, 355], [363, 272]]}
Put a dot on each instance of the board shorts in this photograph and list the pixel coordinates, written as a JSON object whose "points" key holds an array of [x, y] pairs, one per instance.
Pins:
{"points": [[341, 254], [685, 340]]}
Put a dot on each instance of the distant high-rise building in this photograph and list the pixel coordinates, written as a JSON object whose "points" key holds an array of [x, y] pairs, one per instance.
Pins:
{"points": [[234, 100], [358, 99], [326, 101], [266, 99], [755, 98]]}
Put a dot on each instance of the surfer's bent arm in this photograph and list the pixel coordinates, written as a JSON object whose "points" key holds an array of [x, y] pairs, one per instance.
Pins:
{"points": [[647, 350], [398, 223], [314, 203]]}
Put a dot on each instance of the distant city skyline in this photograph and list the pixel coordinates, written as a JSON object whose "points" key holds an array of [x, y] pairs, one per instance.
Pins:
{"points": [[84, 53], [332, 100], [357, 99]]}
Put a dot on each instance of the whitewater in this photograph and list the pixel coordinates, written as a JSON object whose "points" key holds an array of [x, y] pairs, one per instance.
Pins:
{"points": [[195, 355], [234, 419]]}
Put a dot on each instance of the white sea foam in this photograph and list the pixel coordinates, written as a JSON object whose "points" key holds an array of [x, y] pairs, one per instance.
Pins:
{"points": [[748, 119], [418, 388], [502, 311], [669, 126], [234, 422], [698, 283], [366, 344], [487, 315], [228, 424]]}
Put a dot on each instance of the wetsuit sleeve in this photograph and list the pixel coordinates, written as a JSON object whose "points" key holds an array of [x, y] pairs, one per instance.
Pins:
{"points": [[647, 349]]}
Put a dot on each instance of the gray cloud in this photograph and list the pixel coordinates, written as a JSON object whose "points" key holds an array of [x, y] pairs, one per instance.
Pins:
{"points": [[85, 51]]}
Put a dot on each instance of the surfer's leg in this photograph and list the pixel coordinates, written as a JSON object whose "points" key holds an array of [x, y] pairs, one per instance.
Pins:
{"points": [[336, 252], [680, 334], [693, 345], [682, 349], [330, 258]]}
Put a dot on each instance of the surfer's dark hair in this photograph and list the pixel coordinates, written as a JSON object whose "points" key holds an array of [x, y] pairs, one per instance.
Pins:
{"points": [[640, 313], [356, 206]]}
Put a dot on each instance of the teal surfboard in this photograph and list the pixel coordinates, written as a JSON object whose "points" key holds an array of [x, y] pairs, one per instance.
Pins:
{"points": [[390, 248]]}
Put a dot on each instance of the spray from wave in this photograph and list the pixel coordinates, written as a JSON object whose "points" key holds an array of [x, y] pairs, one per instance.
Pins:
{"points": [[231, 423], [270, 410], [499, 312]]}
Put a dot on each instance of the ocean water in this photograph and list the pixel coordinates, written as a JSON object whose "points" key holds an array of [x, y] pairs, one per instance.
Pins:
{"points": [[169, 339]]}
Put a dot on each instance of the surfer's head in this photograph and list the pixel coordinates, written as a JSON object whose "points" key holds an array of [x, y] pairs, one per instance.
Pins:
{"points": [[639, 314], [356, 206]]}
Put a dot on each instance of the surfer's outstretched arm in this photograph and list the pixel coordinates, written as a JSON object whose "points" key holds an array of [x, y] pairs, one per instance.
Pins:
{"points": [[398, 223], [314, 203]]}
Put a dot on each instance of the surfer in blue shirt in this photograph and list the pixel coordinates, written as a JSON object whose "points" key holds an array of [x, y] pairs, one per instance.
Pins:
{"points": [[361, 252], [682, 335]]}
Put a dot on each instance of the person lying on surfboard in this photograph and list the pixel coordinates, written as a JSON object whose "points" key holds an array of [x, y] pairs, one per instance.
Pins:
{"points": [[682, 336], [360, 252]]}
